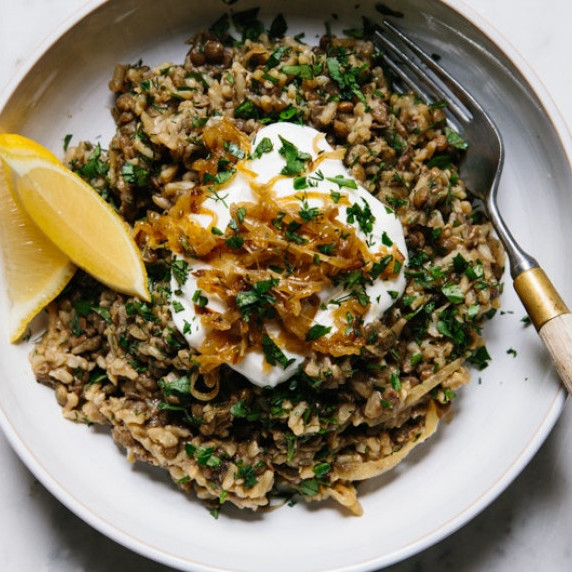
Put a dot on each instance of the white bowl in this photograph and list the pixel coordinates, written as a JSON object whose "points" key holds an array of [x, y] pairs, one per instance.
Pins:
{"points": [[501, 418]]}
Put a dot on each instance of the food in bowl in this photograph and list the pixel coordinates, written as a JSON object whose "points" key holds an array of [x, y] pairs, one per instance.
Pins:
{"points": [[319, 275]]}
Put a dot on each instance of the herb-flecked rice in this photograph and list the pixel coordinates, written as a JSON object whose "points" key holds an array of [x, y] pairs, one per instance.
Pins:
{"points": [[120, 362]]}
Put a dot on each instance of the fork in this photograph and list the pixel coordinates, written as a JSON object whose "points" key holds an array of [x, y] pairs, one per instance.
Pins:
{"points": [[481, 169]]}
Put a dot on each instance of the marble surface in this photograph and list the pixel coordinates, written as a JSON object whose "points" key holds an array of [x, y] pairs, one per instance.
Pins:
{"points": [[527, 528]]}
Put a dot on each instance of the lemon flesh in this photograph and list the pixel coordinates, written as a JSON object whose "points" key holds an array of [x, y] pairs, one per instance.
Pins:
{"points": [[74, 217], [35, 270]]}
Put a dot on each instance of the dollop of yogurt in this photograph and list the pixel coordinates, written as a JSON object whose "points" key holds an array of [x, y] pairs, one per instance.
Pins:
{"points": [[330, 178]]}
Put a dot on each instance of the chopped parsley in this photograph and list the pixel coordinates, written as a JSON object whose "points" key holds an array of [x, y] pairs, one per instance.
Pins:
{"points": [[291, 233], [234, 149], [385, 239], [248, 473], [240, 214], [247, 110], [135, 175], [309, 487], [94, 166], [453, 293], [479, 357], [241, 410], [265, 146], [82, 307], [327, 249], [274, 59], [455, 140], [395, 381], [180, 385], [342, 182], [220, 178], [303, 71], [296, 160], [234, 242], [204, 455], [416, 359], [248, 24], [317, 331], [362, 215], [348, 78], [200, 299], [273, 354], [259, 299], [322, 469], [180, 270], [335, 196], [308, 213]]}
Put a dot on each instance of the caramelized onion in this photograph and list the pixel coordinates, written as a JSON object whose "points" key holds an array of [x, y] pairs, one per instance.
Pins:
{"points": [[301, 257]]}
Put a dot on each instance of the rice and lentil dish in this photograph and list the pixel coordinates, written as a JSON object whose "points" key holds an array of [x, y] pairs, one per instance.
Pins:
{"points": [[344, 416]]}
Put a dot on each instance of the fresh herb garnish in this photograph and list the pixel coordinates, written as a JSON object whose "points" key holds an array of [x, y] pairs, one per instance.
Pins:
{"points": [[453, 293], [240, 214], [234, 242], [200, 299], [273, 354], [327, 249], [291, 233], [274, 59], [317, 331], [180, 385], [205, 456], [455, 140], [342, 182], [248, 24], [335, 196], [308, 213], [248, 473], [220, 178], [67, 140], [135, 175], [278, 27], [309, 487], [362, 215], [94, 167], [265, 146], [479, 357], [180, 270], [348, 78], [259, 299], [241, 410], [395, 381], [303, 71], [385, 239], [247, 110], [295, 159]]}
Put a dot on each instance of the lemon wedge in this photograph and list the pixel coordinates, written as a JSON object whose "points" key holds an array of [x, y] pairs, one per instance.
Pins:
{"points": [[74, 217], [36, 271]]}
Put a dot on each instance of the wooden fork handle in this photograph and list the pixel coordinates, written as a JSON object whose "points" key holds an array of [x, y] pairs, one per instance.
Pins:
{"points": [[551, 318]]}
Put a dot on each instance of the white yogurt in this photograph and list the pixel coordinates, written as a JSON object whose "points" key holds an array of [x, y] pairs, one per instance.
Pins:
{"points": [[386, 229]]}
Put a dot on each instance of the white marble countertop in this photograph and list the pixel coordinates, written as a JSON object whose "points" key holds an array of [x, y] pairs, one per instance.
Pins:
{"points": [[527, 528]]}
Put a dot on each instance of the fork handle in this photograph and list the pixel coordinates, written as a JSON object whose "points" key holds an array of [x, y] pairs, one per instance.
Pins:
{"points": [[551, 318]]}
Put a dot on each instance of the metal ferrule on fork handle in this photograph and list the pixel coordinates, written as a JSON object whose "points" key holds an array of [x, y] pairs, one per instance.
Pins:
{"points": [[540, 298]]}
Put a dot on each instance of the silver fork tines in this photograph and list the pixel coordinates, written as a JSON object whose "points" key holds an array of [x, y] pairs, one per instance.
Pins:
{"points": [[481, 165], [481, 168], [441, 86]]}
